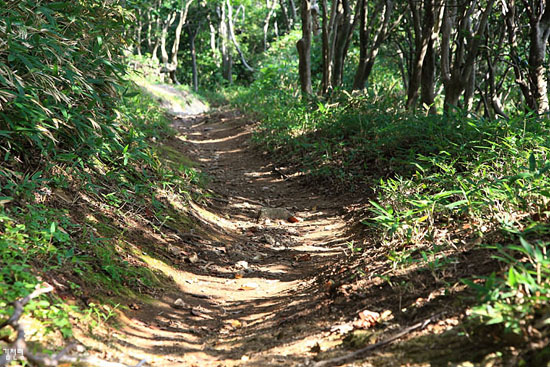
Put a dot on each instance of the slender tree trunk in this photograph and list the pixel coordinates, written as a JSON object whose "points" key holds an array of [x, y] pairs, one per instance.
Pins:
{"points": [[540, 31], [367, 55], [423, 36], [173, 65], [213, 45], [233, 38], [456, 80], [325, 83], [359, 80], [163, 37], [227, 60], [344, 27], [148, 33], [138, 31], [293, 14], [284, 13], [469, 90], [270, 5], [495, 100], [154, 53], [192, 36], [401, 64], [509, 11], [184, 10], [427, 83], [304, 49]]}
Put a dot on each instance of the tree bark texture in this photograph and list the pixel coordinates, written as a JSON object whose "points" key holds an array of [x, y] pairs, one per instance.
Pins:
{"points": [[304, 48], [457, 76], [371, 38]]}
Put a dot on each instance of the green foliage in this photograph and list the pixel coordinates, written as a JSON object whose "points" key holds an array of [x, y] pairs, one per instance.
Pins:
{"points": [[517, 298], [37, 239], [97, 315], [40, 239], [58, 75]]}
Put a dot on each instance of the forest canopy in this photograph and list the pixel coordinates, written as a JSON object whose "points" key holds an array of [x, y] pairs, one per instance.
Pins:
{"points": [[485, 57]]}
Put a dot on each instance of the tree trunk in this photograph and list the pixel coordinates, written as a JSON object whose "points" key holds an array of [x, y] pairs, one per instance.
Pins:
{"points": [[284, 13], [456, 80], [164, 35], [325, 82], [293, 15], [304, 49], [539, 32], [509, 11], [367, 55], [149, 29], [192, 36], [173, 66], [401, 64], [359, 80], [344, 28], [138, 31], [157, 29], [227, 61], [427, 83], [213, 46], [232, 35], [423, 36], [469, 90], [270, 5]]}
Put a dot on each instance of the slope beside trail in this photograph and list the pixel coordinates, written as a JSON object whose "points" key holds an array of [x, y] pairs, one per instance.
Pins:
{"points": [[247, 285]]}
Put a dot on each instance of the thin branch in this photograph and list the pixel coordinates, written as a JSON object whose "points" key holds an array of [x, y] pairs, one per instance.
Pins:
{"points": [[42, 359], [359, 353], [234, 39]]}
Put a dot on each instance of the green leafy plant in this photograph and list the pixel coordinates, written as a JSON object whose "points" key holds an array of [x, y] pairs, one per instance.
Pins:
{"points": [[513, 299]]}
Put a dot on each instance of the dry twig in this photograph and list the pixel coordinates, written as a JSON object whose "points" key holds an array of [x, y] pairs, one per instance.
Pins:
{"points": [[359, 353], [19, 346]]}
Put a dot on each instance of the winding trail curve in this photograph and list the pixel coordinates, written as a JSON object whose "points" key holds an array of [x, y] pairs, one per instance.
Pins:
{"points": [[248, 291]]}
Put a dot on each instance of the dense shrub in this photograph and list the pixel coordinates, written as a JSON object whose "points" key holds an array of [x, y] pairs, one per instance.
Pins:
{"points": [[59, 74]]}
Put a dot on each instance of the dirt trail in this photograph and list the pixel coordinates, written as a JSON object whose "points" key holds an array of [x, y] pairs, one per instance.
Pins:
{"points": [[249, 295]]}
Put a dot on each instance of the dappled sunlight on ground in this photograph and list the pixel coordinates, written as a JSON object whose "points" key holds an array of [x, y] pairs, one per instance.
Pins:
{"points": [[240, 278], [245, 288]]}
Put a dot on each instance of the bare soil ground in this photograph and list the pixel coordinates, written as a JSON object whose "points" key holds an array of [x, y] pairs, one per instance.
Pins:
{"points": [[254, 290]]}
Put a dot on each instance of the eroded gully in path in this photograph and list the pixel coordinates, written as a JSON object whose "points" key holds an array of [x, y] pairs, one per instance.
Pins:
{"points": [[250, 296]]}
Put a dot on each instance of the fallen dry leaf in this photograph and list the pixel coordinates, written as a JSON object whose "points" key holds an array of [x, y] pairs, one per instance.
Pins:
{"points": [[366, 319], [293, 219], [196, 312], [179, 304], [342, 328], [305, 257], [193, 258], [235, 324], [248, 287], [386, 315]]}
